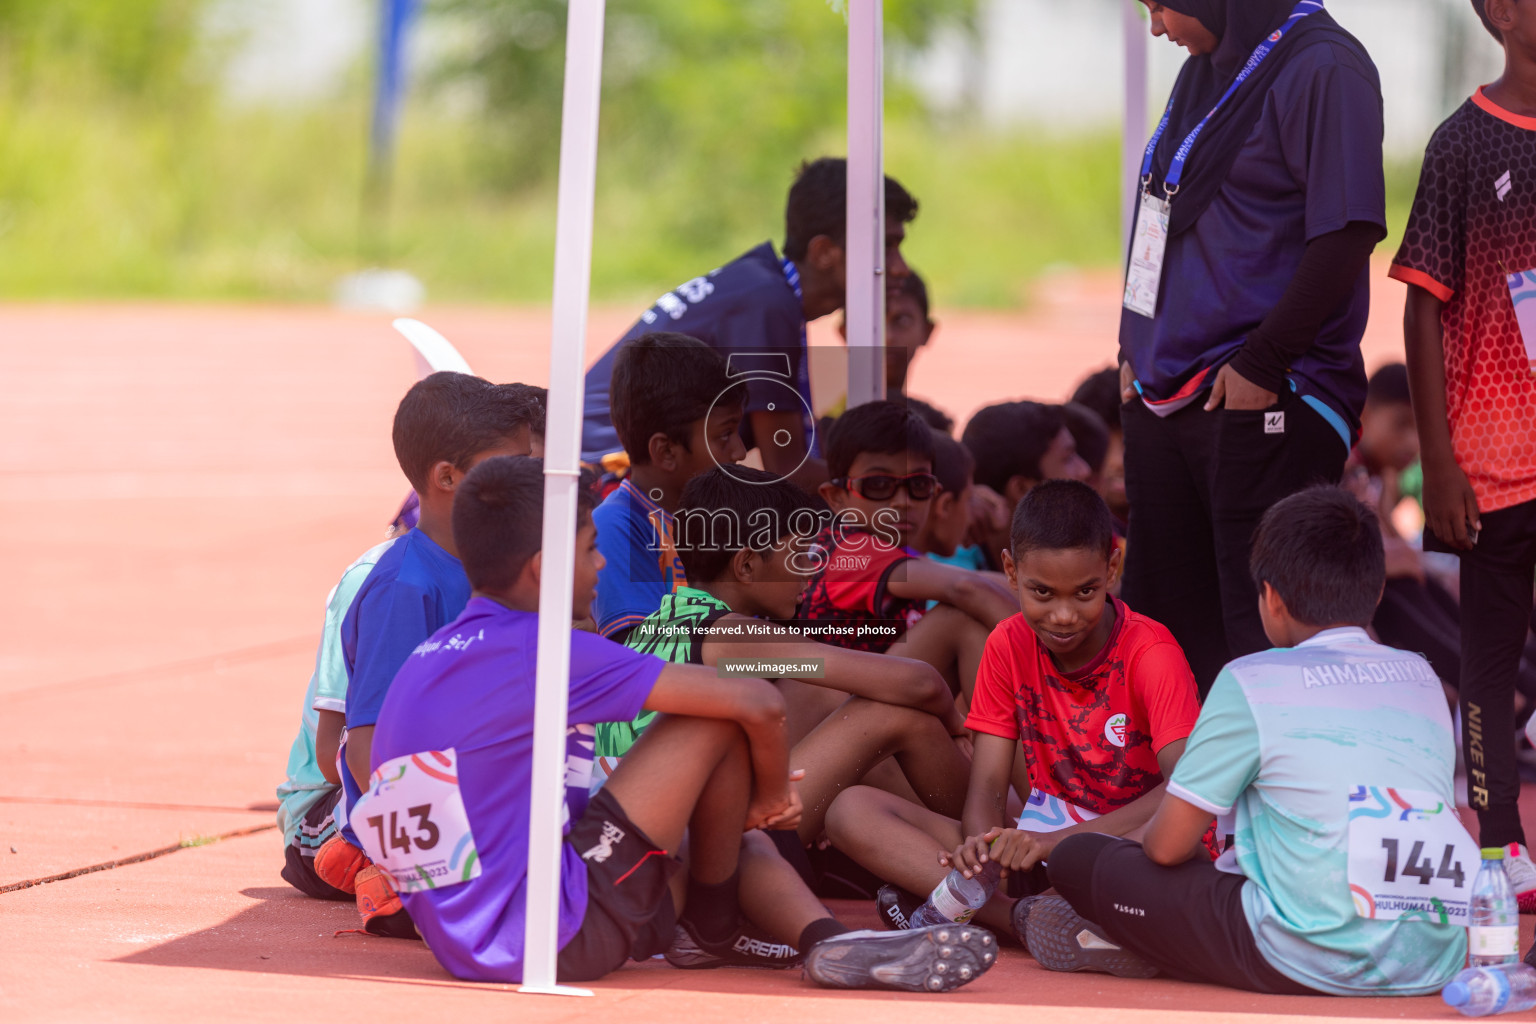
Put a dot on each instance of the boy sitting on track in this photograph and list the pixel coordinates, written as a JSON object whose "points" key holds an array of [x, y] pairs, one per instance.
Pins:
{"points": [[678, 415], [872, 582], [1101, 697], [1316, 746], [742, 537], [445, 425], [448, 813]]}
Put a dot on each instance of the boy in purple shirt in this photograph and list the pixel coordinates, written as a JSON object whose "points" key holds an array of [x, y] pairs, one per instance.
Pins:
{"points": [[448, 812]]}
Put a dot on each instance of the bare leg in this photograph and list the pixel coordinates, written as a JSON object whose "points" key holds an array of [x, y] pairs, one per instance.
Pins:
{"points": [[806, 704], [686, 771], [901, 843], [862, 733], [949, 640], [772, 895]]}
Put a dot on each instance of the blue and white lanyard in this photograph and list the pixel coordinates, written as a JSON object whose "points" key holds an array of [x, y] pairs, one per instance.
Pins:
{"points": [[1181, 157], [803, 378]]}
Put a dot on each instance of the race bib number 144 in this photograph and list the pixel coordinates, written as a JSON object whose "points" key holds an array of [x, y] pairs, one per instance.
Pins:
{"points": [[412, 822], [1409, 856]]}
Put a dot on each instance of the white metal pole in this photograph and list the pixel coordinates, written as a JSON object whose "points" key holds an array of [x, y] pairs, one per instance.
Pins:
{"points": [[562, 467], [865, 247], [1133, 144]]}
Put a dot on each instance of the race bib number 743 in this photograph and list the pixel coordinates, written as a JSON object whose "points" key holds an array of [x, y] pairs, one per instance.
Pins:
{"points": [[412, 822], [1409, 856]]}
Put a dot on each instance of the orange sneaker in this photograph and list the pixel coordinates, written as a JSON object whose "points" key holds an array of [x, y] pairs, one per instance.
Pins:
{"points": [[380, 906], [338, 863]]}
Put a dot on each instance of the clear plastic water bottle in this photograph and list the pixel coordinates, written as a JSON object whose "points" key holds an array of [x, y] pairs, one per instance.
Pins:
{"points": [[1485, 991], [957, 898], [1493, 934]]}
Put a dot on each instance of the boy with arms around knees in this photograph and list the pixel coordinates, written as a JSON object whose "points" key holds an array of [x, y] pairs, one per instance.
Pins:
{"points": [[742, 534], [1313, 749], [1466, 256], [881, 458], [678, 415], [445, 425], [1101, 698], [715, 764]]}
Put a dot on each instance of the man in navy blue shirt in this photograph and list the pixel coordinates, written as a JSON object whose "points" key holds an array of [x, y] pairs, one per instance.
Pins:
{"points": [[1246, 382], [754, 310]]}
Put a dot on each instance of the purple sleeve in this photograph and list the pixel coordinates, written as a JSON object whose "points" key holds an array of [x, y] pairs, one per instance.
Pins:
{"points": [[609, 682]]}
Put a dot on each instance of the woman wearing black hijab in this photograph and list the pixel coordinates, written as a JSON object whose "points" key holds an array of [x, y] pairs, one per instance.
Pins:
{"points": [[1240, 347]]}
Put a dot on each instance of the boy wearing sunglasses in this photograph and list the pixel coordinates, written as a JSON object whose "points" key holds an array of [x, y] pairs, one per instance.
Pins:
{"points": [[871, 588]]}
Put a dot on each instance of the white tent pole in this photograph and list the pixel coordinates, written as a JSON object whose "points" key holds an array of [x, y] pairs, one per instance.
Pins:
{"points": [[865, 306], [1133, 144], [562, 467]]}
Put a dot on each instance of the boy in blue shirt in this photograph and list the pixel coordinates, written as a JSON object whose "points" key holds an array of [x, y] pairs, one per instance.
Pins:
{"points": [[759, 304], [679, 415], [446, 424], [1328, 757], [448, 814]]}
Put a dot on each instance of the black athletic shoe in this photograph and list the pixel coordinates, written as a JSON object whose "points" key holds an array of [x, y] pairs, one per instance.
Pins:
{"points": [[747, 948], [937, 959], [1063, 941], [1530, 957], [896, 907], [1020, 918]]}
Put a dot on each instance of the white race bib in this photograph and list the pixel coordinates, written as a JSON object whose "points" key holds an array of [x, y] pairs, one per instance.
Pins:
{"points": [[412, 822], [1045, 813], [1144, 274], [1409, 856], [1522, 292]]}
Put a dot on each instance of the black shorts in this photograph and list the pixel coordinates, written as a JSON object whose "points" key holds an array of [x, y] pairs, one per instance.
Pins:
{"points": [[1187, 919], [319, 824], [629, 902]]}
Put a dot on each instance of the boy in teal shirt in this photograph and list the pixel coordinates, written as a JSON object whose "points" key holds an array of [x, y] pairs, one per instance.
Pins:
{"points": [[1325, 758]]}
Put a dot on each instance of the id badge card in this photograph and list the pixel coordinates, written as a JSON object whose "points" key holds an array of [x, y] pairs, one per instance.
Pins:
{"points": [[1148, 247], [1409, 857], [413, 825], [1522, 290]]}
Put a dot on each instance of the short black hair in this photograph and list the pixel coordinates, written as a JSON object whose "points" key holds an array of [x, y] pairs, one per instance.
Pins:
{"points": [[452, 417], [538, 403], [722, 511], [1062, 515], [664, 383], [914, 288], [1090, 433], [1481, 7], [938, 419], [1321, 551], [886, 428], [1101, 392], [953, 463], [1389, 386], [1010, 439], [818, 204], [498, 519]]}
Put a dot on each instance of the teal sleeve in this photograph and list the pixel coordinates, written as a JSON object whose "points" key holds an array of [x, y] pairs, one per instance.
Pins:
{"points": [[330, 666], [1222, 756]]}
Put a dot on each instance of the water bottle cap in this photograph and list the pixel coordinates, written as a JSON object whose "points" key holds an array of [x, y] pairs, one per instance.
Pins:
{"points": [[1456, 994], [1493, 853]]}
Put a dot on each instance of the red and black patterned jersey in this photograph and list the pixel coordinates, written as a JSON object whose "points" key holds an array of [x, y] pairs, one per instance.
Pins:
{"points": [[852, 589], [1090, 737], [1473, 225]]}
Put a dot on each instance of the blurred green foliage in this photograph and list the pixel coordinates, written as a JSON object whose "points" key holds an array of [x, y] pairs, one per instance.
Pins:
{"points": [[124, 173]]}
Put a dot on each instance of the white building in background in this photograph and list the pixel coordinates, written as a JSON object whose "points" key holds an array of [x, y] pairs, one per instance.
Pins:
{"points": [[1055, 63]]}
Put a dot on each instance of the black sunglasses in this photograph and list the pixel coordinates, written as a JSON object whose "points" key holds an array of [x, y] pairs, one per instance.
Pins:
{"points": [[883, 486]]}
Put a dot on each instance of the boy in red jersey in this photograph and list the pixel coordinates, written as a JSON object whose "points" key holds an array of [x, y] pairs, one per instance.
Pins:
{"points": [[1469, 259], [1100, 697]]}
